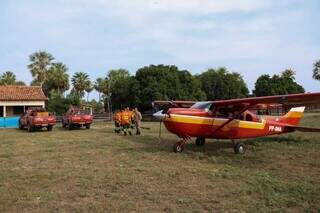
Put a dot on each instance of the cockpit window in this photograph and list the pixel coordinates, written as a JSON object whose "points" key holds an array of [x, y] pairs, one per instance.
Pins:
{"points": [[202, 105]]}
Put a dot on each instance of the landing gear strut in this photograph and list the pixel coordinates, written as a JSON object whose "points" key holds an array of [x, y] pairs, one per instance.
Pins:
{"points": [[200, 141], [239, 148]]}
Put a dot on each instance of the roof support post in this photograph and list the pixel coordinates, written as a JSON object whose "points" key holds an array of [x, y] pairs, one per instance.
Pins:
{"points": [[4, 111]]}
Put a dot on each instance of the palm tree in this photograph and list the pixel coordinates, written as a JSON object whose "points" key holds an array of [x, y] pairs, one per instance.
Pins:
{"points": [[80, 82], [101, 86], [58, 78], [288, 73], [40, 63], [88, 90], [8, 78], [316, 70], [20, 83]]}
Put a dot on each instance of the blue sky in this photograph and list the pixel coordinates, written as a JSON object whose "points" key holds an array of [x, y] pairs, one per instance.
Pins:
{"points": [[251, 37]]}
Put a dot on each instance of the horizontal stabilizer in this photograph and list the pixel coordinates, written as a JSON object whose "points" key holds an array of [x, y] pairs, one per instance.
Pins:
{"points": [[301, 129]]}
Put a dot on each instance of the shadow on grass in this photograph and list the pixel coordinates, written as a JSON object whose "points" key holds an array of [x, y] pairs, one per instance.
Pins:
{"points": [[211, 145], [277, 139], [214, 151]]}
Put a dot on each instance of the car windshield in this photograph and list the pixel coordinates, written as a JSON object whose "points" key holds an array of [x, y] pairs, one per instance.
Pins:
{"points": [[79, 112], [201, 105]]}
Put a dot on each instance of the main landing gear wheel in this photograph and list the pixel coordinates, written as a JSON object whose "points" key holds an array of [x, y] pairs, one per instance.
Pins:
{"points": [[178, 147], [200, 141], [239, 148]]}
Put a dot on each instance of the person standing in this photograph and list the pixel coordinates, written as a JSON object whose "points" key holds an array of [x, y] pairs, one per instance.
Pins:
{"points": [[138, 118], [117, 121], [125, 121]]}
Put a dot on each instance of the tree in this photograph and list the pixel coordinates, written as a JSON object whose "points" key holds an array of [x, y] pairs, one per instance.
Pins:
{"points": [[117, 74], [101, 86], [221, 84], [277, 85], [88, 90], [40, 64], [124, 93], [119, 89], [167, 83], [20, 83], [263, 86], [80, 82], [8, 78], [58, 78], [288, 73], [60, 104], [316, 70]]}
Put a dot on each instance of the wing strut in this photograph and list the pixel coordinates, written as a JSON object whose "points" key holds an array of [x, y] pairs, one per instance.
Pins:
{"points": [[235, 116]]}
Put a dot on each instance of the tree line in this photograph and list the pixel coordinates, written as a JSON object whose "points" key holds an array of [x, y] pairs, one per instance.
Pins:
{"points": [[119, 89]]}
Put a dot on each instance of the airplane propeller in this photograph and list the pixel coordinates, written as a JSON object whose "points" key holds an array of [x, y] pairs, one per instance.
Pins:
{"points": [[160, 115]]}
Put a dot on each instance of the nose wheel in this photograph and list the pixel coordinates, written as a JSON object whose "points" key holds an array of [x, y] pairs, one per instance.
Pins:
{"points": [[239, 148], [178, 147]]}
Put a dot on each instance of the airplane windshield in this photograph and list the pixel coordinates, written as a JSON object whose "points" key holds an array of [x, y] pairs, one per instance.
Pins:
{"points": [[201, 105]]}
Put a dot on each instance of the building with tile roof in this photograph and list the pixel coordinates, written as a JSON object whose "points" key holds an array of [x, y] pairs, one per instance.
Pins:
{"points": [[14, 100]]}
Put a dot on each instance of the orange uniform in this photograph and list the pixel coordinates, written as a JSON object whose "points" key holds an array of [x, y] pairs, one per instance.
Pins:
{"points": [[125, 118], [117, 117], [131, 113]]}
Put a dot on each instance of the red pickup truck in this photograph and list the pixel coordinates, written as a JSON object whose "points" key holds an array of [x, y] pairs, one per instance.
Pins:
{"points": [[37, 118], [76, 117]]}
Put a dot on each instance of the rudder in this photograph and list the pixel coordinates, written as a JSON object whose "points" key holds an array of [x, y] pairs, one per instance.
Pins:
{"points": [[294, 116]]}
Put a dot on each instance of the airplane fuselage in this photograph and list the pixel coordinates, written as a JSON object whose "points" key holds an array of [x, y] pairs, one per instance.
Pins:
{"points": [[192, 123]]}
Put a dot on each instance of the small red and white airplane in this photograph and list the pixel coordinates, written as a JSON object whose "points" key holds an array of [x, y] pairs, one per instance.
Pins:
{"points": [[232, 119]]}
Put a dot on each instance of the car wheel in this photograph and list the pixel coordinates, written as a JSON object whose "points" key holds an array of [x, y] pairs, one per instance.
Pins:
{"points": [[87, 126], [49, 128]]}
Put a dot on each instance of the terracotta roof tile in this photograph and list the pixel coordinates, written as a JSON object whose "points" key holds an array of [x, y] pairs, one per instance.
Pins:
{"points": [[21, 93]]}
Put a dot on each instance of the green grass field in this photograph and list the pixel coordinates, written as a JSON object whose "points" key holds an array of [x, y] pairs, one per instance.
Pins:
{"points": [[97, 170]]}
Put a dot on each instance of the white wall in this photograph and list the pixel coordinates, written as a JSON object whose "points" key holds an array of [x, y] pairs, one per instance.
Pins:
{"points": [[19, 103]]}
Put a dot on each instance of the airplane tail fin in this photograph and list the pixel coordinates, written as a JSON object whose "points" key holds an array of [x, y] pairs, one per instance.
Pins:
{"points": [[294, 116]]}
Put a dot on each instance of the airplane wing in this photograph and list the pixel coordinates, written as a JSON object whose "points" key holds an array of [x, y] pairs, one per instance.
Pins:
{"points": [[241, 105], [182, 104], [294, 99]]}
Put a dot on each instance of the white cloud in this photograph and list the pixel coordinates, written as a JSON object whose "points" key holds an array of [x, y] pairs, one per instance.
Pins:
{"points": [[190, 33], [183, 6]]}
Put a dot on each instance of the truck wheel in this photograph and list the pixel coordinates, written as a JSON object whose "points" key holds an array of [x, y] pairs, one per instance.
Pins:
{"points": [[30, 128], [20, 125], [49, 128], [70, 126], [87, 126]]}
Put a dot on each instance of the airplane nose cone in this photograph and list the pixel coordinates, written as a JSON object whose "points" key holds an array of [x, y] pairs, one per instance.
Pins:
{"points": [[159, 115]]}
